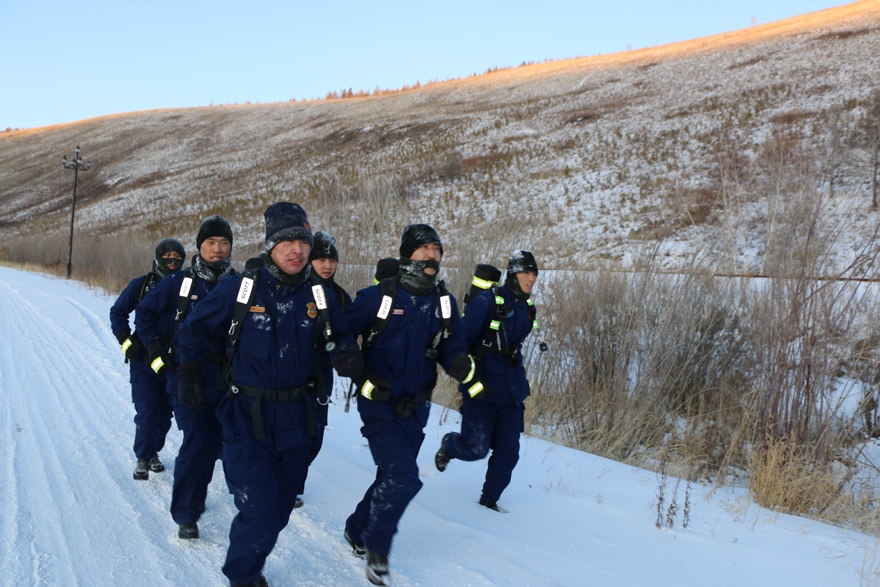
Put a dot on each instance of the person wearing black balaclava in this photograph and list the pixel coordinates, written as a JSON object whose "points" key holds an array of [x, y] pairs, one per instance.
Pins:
{"points": [[158, 318], [422, 329], [152, 418], [280, 316], [495, 322]]}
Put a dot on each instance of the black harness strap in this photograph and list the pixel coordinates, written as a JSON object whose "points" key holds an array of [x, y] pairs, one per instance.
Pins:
{"points": [[183, 297], [148, 284]]}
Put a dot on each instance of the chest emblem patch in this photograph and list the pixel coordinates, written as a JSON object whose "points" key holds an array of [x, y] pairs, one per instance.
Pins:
{"points": [[312, 310]]}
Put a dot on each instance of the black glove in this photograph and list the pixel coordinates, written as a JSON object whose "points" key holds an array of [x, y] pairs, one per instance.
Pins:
{"points": [[160, 359], [189, 385], [462, 368], [122, 335], [377, 389], [133, 347], [349, 361]]}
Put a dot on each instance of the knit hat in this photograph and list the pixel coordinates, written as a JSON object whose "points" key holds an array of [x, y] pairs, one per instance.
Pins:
{"points": [[417, 235], [168, 245], [286, 221], [522, 262], [213, 226], [324, 247]]}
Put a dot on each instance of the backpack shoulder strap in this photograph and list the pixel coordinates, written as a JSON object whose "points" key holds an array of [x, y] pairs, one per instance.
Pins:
{"points": [[383, 315], [325, 331], [183, 296], [246, 292], [150, 280], [445, 299]]}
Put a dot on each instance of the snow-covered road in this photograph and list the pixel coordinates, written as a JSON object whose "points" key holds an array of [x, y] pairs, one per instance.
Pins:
{"points": [[72, 515]]}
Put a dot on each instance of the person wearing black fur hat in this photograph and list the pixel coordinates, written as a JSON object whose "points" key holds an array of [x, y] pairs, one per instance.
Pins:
{"points": [[409, 324], [324, 259], [279, 320], [152, 418], [493, 417], [158, 319]]}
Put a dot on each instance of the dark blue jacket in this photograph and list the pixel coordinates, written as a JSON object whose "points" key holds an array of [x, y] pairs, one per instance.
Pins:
{"points": [[276, 350], [505, 380], [397, 356], [154, 320], [122, 308]]}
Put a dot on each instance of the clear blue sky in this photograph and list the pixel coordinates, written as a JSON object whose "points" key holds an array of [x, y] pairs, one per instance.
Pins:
{"points": [[67, 61]]}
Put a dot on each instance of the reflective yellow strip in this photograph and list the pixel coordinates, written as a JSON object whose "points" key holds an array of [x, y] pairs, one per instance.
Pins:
{"points": [[534, 324], [367, 389], [126, 344], [475, 389], [471, 372], [499, 300], [375, 281], [482, 283], [494, 324], [157, 364]]}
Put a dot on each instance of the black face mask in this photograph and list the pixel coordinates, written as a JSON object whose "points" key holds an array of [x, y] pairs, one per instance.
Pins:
{"points": [[413, 278], [162, 265]]}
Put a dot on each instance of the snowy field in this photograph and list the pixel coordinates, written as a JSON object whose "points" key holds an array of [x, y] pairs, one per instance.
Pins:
{"points": [[72, 514]]}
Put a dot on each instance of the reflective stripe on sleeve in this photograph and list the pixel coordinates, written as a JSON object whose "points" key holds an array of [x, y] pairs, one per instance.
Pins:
{"points": [[367, 389]]}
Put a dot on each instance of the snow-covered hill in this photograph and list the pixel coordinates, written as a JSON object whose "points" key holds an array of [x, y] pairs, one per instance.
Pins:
{"points": [[700, 146], [73, 516]]}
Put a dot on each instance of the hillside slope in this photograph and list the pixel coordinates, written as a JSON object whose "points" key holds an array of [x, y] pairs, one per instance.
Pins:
{"points": [[696, 148]]}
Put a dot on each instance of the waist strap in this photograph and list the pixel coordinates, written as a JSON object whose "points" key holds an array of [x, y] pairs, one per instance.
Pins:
{"points": [[273, 395]]}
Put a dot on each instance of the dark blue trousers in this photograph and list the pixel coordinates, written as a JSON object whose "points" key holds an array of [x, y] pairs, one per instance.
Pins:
{"points": [[484, 426], [199, 451], [152, 410], [262, 481], [394, 445]]}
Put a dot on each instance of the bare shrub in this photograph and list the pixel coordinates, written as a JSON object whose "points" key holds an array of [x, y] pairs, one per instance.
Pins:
{"points": [[104, 262], [788, 477]]}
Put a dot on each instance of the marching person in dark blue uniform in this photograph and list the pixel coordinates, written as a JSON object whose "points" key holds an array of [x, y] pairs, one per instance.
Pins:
{"points": [[278, 320], [324, 259], [152, 418], [158, 318], [496, 322], [409, 324]]}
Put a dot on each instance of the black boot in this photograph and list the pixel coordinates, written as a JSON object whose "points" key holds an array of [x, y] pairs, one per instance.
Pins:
{"points": [[156, 465], [261, 582], [442, 458], [142, 470], [359, 550], [188, 531], [377, 568]]}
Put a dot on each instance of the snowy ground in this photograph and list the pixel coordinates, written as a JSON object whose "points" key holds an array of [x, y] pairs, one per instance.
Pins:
{"points": [[72, 514]]}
